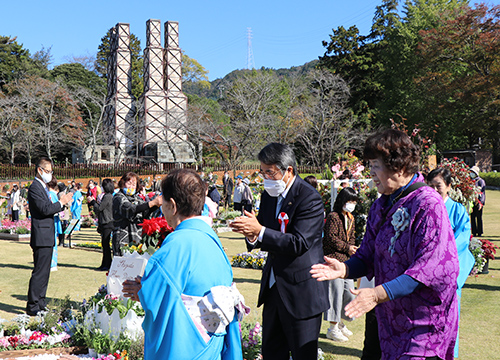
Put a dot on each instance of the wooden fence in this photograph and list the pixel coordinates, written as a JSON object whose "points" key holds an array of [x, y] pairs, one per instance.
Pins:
{"points": [[96, 171]]}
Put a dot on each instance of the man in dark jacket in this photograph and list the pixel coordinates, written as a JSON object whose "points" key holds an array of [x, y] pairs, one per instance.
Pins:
{"points": [[42, 234], [228, 189], [289, 227]]}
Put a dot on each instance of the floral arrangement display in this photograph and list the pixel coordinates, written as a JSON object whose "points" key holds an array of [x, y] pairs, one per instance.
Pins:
{"points": [[476, 248], [109, 302], [47, 330], [15, 227], [463, 187], [251, 341], [110, 323], [253, 260], [489, 249], [87, 221], [154, 231]]}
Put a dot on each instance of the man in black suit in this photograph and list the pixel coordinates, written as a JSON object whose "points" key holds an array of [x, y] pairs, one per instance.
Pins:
{"points": [[42, 234], [289, 227], [228, 189]]}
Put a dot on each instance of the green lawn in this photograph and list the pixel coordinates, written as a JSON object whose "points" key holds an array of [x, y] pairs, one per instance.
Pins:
{"points": [[76, 277]]}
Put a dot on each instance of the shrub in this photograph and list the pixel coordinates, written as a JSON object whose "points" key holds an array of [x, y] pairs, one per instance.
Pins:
{"points": [[491, 178]]}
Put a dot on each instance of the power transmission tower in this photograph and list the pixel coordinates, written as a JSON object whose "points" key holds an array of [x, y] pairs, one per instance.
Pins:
{"points": [[250, 62]]}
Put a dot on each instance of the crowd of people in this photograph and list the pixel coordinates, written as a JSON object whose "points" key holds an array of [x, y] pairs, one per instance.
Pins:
{"points": [[414, 254]]}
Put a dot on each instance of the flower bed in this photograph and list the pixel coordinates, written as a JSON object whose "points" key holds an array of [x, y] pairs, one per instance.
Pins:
{"points": [[253, 260]]}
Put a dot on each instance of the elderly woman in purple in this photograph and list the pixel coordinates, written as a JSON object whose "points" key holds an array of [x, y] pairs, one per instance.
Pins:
{"points": [[410, 249]]}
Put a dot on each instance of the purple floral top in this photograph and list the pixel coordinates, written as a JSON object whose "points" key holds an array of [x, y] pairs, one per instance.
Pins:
{"points": [[415, 238]]}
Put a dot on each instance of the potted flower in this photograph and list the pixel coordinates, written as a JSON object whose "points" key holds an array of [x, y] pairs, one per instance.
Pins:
{"points": [[489, 249]]}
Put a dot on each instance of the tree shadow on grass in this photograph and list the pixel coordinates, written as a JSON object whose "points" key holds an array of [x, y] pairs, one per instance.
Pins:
{"points": [[329, 347], [482, 287], [17, 266], [243, 280], [75, 266]]}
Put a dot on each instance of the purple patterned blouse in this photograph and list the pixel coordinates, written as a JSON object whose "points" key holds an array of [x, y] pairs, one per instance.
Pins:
{"points": [[416, 240]]}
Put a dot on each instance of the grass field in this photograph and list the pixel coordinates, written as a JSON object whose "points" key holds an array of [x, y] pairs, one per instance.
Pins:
{"points": [[76, 277]]}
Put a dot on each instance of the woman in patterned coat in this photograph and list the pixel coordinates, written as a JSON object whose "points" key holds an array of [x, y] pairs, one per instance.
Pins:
{"points": [[410, 249], [338, 243]]}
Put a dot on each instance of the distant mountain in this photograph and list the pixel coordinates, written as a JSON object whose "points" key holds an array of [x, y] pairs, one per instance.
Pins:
{"points": [[218, 85]]}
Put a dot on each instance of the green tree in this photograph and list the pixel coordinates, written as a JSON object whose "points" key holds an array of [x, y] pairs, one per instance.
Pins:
{"points": [[75, 75], [101, 64], [461, 76]]}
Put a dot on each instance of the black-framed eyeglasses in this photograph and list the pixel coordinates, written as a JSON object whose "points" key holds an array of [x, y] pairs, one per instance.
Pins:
{"points": [[47, 171], [268, 174]]}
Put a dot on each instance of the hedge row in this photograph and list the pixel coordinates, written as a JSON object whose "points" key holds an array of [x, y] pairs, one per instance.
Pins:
{"points": [[491, 178]]}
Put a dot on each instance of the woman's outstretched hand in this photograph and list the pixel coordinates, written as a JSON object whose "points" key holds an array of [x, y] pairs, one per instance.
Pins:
{"points": [[331, 269], [366, 299]]}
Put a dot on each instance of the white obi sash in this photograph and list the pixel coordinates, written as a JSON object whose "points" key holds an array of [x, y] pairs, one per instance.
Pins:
{"points": [[213, 312]]}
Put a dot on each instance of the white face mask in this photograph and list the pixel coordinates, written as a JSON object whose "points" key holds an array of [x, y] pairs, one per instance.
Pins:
{"points": [[275, 187], [473, 175], [46, 177], [349, 207]]}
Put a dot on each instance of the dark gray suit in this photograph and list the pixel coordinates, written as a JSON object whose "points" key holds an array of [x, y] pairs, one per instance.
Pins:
{"points": [[293, 305], [42, 242]]}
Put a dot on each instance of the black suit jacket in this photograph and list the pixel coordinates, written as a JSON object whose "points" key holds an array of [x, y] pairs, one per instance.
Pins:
{"points": [[292, 254], [42, 211]]}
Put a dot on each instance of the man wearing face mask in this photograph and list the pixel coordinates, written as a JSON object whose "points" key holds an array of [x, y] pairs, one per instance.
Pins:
{"points": [[42, 234], [289, 227]]}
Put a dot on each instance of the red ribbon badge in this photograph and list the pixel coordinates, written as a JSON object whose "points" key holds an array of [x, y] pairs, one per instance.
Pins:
{"points": [[283, 220]]}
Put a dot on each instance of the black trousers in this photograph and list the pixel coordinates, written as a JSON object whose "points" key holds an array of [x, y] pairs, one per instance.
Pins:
{"points": [[476, 221], [282, 333], [15, 215], [371, 345], [37, 290], [106, 249]]}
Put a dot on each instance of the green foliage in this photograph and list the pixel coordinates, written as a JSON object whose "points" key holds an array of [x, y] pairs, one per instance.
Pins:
{"points": [[16, 61], [194, 72], [491, 178], [101, 64], [136, 349], [75, 75]]}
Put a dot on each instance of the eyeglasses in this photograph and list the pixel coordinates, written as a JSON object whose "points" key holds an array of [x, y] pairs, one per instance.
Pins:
{"points": [[268, 174], [47, 171]]}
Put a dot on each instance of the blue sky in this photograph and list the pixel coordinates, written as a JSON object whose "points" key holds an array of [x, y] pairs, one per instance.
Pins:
{"points": [[284, 33]]}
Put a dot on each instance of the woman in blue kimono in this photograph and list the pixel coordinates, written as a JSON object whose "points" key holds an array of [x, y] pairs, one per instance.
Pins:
{"points": [[440, 179], [76, 205], [52, 185], [188, 276]]}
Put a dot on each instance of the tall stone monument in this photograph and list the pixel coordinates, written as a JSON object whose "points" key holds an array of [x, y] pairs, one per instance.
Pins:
{"points": [[159, 128], [119, 120]]}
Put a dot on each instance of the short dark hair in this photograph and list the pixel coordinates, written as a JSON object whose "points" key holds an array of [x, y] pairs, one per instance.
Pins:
{"points": [[108, 186], [443, 172], [311, 180], [61, 186], [42, 161], [126, 177], [186, 187], [347, 194], [396, 150], [280, 155], [346, 174]]}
